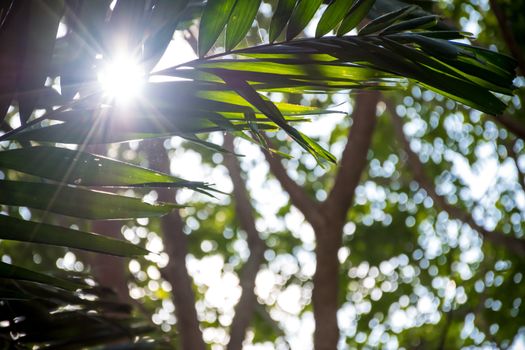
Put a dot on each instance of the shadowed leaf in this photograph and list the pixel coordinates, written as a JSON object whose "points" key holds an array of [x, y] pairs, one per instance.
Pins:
{"points": [[77, 202], [35, 232]]}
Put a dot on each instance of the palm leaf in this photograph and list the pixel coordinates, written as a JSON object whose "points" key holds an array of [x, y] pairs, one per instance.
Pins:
{"points": [[35, 232]]}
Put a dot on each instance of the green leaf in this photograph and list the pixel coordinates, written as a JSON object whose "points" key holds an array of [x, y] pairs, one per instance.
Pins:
{"points": [[269, 109], [449, 82], [332, 16], [86, 169], [386, 20], [20, 273], [240, 21], [163, 22], [356, 14], [214, 18], [280, 17], [446, 34], [301, 16], [78, 202], [414, 23], [35, 232]]}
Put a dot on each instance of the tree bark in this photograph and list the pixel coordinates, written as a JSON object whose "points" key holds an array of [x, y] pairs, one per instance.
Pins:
{"points": [[513, 124], [353, 161], [325, 296], [329, 217], [509, 38], [245, 308], [175, 244], [298, 197]]}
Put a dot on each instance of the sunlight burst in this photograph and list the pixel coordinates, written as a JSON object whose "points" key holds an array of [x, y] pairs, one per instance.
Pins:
{"points": [[122, 79]]}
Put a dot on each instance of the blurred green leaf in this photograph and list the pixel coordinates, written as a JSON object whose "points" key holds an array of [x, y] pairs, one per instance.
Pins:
{"points": [[86, 169], [20, 273], [35, 232], [77, 202]]}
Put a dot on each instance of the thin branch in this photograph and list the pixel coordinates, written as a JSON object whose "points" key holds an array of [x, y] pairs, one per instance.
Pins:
{"points": [[509, 38], [354, 160], [175, 243], [308, 206], [245, 308], [446, 327], [513, 244], [512, 153]]}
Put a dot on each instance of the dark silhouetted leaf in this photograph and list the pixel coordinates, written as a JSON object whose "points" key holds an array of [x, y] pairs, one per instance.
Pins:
{"points": [[35, 232], [81, 168], [77, 202], [386, 20], [42, 24], [20, 273], [414, 23], [163, 22]]}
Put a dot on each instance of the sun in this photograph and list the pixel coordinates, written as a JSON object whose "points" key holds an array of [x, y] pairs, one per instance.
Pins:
{"points": [[122, 79]]}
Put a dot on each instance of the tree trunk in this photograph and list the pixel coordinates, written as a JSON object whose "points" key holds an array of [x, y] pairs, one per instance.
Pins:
{"points": [[325, 296], [334, 211], [175, 243], [245, 308]]}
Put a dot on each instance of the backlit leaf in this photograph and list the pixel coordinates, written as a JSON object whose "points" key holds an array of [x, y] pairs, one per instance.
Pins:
{"points": [[301, 16], [240, 21], [281, 17], [214, 18], [77, 202], [356, 14], [332, 16]]}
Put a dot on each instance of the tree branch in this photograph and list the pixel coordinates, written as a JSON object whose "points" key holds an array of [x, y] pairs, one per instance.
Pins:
{"points": [[513, 244], [245, 308], [354, 160], [298, 197], [175, 243], [508, 36], [512, 153], [512, 124]]}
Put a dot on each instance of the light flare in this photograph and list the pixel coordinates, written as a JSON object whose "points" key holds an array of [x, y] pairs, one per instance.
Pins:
{"points": [[122, 79]]}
